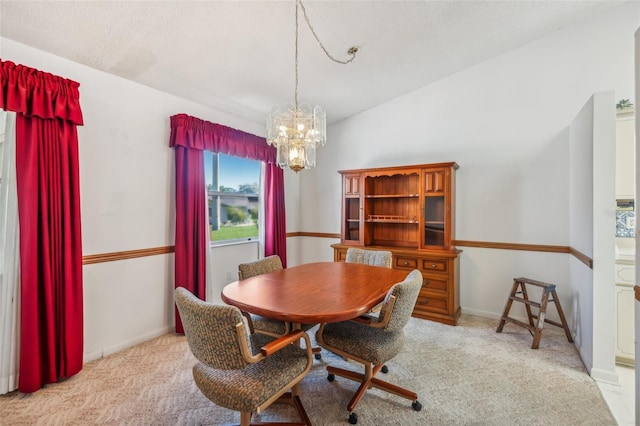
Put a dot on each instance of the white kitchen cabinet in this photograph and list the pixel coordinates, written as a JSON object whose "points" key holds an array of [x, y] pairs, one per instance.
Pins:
{"points": [[625, 324]]}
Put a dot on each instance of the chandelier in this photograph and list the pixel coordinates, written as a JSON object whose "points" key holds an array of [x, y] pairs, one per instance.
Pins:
{"points": [[297, 129]]}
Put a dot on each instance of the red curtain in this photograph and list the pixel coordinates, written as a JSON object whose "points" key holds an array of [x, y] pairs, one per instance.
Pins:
{"points": [[275, 222], [194, 133], [191, 241], [47, 169], [190, 136]]}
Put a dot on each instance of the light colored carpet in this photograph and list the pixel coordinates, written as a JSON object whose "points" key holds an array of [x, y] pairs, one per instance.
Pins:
{"points": [[464, 375]]}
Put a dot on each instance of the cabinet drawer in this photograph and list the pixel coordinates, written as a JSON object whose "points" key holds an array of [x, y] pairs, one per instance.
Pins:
{"points": [[435, 283], [406, 262], [435, 265], [428, 303]]}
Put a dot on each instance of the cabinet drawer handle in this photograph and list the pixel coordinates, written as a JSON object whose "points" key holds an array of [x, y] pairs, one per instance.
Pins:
{"points": [[406, 263], [426, 301], [425, 282], [433, 265]]}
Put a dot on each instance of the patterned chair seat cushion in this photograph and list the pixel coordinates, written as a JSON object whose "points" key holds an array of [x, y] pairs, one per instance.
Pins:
{"points": [[372, 344], [244, 390]]}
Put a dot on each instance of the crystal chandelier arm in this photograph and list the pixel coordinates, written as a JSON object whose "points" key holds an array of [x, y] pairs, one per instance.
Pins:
{"points": [[352, 50]]}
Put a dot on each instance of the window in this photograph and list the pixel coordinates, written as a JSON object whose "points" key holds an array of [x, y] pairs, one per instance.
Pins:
{"points": [[233, 197]]}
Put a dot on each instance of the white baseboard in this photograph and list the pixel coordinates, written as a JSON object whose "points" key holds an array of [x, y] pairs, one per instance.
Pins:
{"points": [[125, 344], [92, 356], [604, 376], [480, 313]]}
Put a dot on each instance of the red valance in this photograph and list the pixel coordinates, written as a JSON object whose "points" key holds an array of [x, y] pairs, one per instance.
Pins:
{"points": [[194, 133], [35, 93]]}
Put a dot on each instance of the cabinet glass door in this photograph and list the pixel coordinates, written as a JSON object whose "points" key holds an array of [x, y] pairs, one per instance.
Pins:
{"points": [[352, 218], [435, 205], [352, 214], [434, 220]]}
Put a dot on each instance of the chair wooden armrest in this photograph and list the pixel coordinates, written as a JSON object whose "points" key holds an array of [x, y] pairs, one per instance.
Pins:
{"points": [[378, 322], [271, 347], [281, 342]]}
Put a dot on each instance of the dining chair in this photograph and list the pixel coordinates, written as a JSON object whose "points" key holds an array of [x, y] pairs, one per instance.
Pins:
{"points": [[262, 324], [372, 341], [239, 370], [369, 257]]}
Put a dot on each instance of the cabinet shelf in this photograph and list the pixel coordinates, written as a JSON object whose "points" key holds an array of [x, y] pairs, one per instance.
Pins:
{"points": [[392, 195], [393, 221], [388, 218]]}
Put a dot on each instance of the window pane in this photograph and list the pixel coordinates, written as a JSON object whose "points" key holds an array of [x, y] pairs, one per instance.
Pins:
{"points": [[233, 197]]}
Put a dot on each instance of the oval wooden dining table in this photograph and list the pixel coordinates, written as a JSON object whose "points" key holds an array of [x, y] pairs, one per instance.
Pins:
{"points": [[313, 293]]}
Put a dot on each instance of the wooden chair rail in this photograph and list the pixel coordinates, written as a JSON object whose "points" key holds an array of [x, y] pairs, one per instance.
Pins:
{"points": [[121, 255], [528, 247], [131, 254]]}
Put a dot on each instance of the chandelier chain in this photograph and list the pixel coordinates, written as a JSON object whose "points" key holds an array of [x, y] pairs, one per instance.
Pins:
{"points": [[352, 51], [296, 91]]}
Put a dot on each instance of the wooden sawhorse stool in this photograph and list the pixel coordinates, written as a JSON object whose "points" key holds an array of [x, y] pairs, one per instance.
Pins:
{"points": [[534, 329]]}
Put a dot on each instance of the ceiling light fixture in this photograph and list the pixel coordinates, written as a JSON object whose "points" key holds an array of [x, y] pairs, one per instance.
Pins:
{"points": [[297, 129]]}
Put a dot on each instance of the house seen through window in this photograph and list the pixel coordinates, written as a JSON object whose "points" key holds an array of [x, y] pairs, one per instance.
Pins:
{"points": [[233, 197]]}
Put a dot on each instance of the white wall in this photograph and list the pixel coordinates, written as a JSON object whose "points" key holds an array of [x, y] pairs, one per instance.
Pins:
{"points": [[581, 228], [592, 232], [505, 123], [128, 196], [604, 225]]}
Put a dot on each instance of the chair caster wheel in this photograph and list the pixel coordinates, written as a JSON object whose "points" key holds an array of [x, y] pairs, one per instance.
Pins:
{"points": [[384, 369], [331, 377], [416, 405], [353, 418], [318, 356]]}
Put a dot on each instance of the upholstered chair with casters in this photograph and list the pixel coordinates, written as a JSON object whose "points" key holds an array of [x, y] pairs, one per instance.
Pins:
{"points": [[369, 257], [380, 258], [239, 370], [262, 324], [372, 341]]}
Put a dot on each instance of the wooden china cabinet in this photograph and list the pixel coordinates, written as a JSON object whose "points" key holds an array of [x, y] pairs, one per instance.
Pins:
{"points": [[410, 211]]}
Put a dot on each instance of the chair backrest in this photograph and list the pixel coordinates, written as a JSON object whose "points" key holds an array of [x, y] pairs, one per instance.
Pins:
{"points": [[369, 257], [259, 267], [406, 294], [211, 331]]}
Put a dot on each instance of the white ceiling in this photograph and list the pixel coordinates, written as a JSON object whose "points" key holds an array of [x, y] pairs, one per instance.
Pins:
{"points": [[239, 55]]}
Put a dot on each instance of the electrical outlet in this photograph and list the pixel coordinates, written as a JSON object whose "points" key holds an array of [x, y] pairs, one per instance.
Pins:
{"points": [[230, 277]]}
